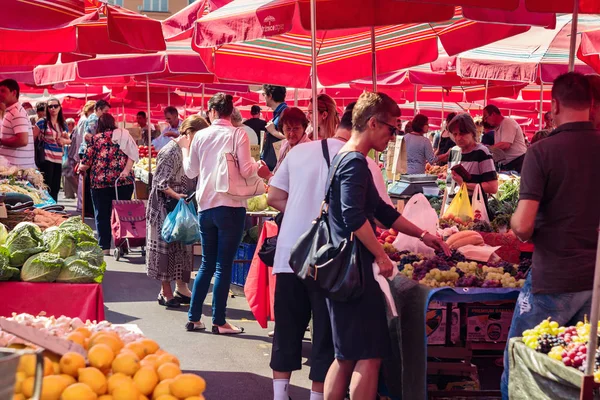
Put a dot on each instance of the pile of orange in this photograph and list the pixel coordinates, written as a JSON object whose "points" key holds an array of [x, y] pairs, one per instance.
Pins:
{"points": [[138, 370]]}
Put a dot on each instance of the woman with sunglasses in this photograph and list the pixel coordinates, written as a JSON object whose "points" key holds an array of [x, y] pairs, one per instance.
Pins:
{"points": [[53, 131], [418, 147]]}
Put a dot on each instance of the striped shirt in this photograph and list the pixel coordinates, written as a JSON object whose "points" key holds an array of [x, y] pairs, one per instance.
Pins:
{"points": [[52, 150], [478, 162], [16, 121]]}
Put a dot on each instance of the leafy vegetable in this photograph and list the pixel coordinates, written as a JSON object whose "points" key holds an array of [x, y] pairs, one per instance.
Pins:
{"points": [[76, 222], [78, 229], [61, 243], [24, 241], [6, 271], [79, 271], [3, 233], [90, 252], [43, 267]]}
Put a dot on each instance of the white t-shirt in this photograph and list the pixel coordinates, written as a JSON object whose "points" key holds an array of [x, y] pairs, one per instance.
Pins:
{"points": [[206, 148], [252, 136], [16, 121], [509, 131], [303, 175]]}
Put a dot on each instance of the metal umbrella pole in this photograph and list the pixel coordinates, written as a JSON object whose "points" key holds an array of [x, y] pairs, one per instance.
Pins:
{"points": [[588, 379], [485, 96], [541, 105], [373, 60], [149, 131], [313, 78], [573, 43]]}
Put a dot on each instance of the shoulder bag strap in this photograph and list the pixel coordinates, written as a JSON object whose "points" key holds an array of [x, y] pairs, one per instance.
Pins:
{"points": [[325, 152], [332, 172]]}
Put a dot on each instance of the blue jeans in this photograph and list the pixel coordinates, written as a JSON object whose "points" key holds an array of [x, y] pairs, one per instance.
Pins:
{"points": [[531, 309], [102, 199], [221, 230]]}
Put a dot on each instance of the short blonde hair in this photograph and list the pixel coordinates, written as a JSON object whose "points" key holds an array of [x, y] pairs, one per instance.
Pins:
{"points": [[193, 123], [88, 107], [370, 105]]}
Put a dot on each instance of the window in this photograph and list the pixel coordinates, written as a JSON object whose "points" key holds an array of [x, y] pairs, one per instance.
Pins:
{"points": [[116, 2], [156, 5]]}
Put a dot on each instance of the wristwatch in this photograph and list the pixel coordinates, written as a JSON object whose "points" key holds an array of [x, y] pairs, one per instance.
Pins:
{"points": [[423, 235]]}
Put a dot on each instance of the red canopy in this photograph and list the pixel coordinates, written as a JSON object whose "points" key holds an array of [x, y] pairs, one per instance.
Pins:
{"points": [[589, 50]]}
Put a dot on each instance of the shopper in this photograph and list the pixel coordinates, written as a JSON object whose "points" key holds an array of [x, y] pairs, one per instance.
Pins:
{"points": [[70, 160], [418, 147], [76, 139], [275, 100], [238, 122], [53, 132], [109, 166], [359, 326], [294, 124], [508, 137], [558, 216], [221, 217], [299, 185], [328, 118], [256, 122], [172, 129], [91, 127], [168, 262], [487, 139], [40, 110], [16, 137], [442, 143]]}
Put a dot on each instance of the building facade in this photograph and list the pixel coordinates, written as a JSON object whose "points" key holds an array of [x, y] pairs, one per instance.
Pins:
{"points": [[157, 9]]}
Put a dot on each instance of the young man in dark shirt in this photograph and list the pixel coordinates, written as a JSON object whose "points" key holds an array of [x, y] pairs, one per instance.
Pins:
{"points": [[256, 123], [558, 210], [275, 100]]}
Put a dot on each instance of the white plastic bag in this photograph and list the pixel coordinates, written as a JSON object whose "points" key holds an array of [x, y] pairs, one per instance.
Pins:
{"points": [[419, 212], [478, 205]]}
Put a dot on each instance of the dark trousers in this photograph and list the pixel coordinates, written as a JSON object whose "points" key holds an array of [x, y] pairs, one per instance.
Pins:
{"points": [[514, 165], [221, 230], [87, 194], [52, 175], [102, 199]]}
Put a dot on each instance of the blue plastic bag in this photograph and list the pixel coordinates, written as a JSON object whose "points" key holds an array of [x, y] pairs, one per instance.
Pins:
{"points": [[181, 224]]}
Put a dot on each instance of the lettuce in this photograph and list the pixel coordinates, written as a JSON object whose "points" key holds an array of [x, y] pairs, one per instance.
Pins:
{"points": [[76, 270], [61, 243], [43, 267], [6, 271], [90, 252], [24, 241], [79, 230], [3, 233]]}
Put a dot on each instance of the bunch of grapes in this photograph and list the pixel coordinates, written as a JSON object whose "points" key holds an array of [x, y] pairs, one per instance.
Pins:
{"points": [[547, 342], [524, 265], [437, 278], [469, 281], [410, 258], [575, 355], [468, 267], [530, 336], [424, 266], [568, 334], [408, 270], [491, 284], [455, 257]]}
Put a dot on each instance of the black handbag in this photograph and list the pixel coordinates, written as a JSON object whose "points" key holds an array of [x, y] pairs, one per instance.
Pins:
{"points": [[38, 147], [337, 270], [267, 250]]}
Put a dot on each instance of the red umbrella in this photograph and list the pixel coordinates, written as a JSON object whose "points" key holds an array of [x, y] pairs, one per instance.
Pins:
{"points": [[589, 50]]}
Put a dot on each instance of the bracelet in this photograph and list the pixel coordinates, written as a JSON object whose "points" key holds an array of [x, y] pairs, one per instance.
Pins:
{"points": [[423, 235]]}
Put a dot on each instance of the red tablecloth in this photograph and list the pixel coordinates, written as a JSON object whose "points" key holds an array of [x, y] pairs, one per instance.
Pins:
{"points": [[72, 300]]}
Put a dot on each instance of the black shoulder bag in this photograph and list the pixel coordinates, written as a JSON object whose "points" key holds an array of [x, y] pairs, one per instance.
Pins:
{"points": [[38, 146], [337, 270]]}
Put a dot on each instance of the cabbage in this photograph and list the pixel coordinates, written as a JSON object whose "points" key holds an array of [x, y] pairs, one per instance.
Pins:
{"points": [[258, 203], [79, 230], [43, 267], [24, 241], [3, 233], [6, 271], [90, 252], [61, 242], [79, 271]]}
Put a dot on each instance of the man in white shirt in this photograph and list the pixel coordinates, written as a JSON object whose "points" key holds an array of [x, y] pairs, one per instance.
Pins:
{"points": [[142, 121], [508, 137], [171, 131], [238, 122], [298, 186], [16, 138]]}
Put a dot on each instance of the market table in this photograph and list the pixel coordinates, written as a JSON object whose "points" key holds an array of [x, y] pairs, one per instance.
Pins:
{"points": [[406, 369], [70, 299]]}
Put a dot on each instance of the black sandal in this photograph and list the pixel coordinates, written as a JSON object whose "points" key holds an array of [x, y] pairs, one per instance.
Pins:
{"points": [[183, 299], [173, 303]]}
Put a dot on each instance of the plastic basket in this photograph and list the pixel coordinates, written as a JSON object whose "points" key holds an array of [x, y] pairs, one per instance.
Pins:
{"points": [[240, 269]]}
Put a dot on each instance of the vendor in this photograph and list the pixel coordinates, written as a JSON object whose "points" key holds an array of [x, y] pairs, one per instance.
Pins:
{"points": [[473, 156], [558, 216], [418, 147], [294, 123], [443, 143]]}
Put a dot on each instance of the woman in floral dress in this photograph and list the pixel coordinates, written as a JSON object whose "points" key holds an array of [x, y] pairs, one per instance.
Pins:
{"points": [[169, 262]]}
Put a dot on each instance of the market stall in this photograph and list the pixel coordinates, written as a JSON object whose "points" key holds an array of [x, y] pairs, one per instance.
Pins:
{"points": [[143, 171]]}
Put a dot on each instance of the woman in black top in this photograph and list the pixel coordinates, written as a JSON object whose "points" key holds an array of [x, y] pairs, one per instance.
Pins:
{"points": [[445, 143], [359, 326]]}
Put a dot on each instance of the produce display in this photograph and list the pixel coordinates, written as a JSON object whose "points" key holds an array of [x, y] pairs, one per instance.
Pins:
{"points": [[142, 164], [145, 150], [438, 170], [259, 203], [120, 364], [30, 175], [37, 196], [563, 344], [68, 253]]}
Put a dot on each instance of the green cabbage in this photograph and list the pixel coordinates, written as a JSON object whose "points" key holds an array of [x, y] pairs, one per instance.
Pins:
{"points": [[61, 243], [24, 241], [76, 270], [3, 233], [6, 271], [90, 252], [79, 230], [43, 267]]}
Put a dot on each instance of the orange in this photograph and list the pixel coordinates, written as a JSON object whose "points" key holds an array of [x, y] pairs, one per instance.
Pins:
{"points": [[162, 388], [166, 358], [20, 377], [105, 397], [52, 387], [77, 337], [127, 363], [168, 370], [117, 379], [78, 391], [18, 396], [126, 391], [115, 343], [137, 348], [101, 356], [68, 379], [94, 379], [84, 331], [187, 385], [71, 362], [166, 397], [150, 346], [195, 398], [27, 387], [146, 380]]}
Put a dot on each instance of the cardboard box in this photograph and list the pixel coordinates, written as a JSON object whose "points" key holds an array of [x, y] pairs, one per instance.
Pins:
{"points": [[435, 325], [489, 322]]}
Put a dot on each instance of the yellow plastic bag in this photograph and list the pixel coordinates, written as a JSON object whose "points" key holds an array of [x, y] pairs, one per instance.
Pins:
{"points": [[461, 205]]}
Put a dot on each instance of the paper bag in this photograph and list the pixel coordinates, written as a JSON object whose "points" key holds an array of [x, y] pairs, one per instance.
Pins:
{"points": [[461, 206], [396, 162], [478, 205], [277, 148], [255, 151]]}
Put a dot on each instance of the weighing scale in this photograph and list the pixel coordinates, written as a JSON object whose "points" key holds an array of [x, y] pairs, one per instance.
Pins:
{"points": [[409, 185]]}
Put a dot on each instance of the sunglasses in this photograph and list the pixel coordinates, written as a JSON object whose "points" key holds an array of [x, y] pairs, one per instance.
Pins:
{"points": [[51, 106], [392, 128]]}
